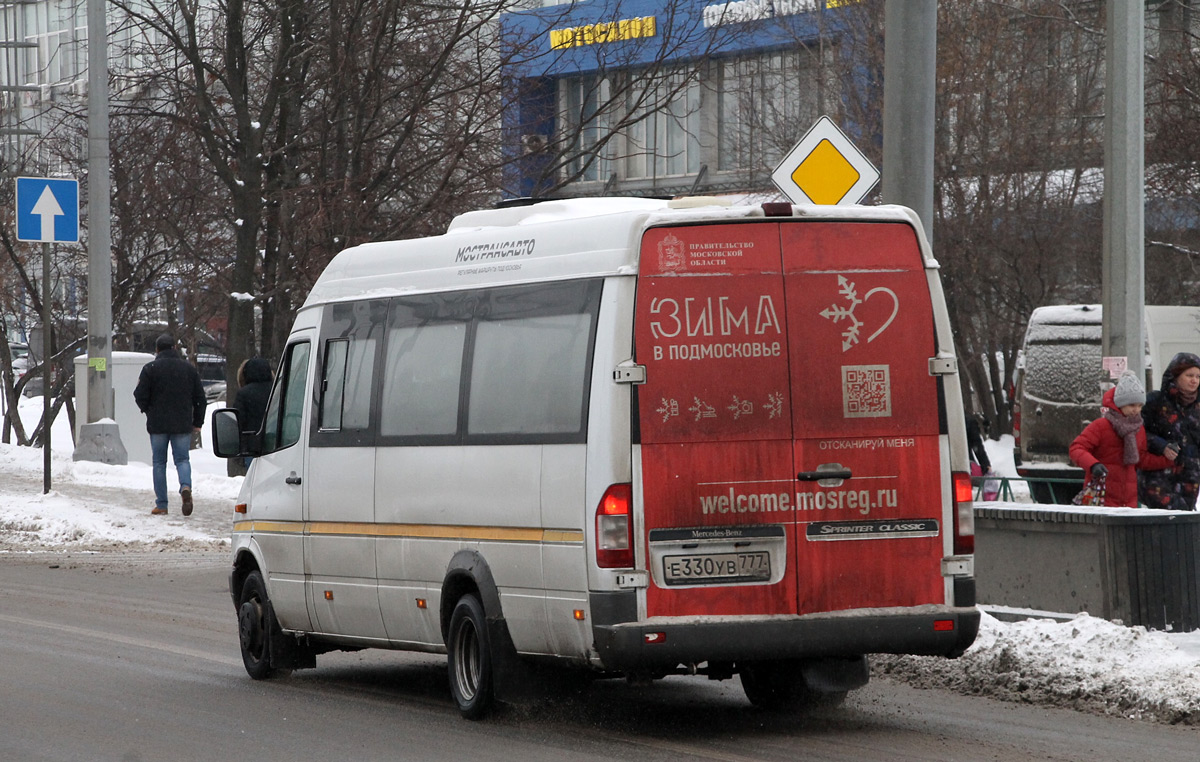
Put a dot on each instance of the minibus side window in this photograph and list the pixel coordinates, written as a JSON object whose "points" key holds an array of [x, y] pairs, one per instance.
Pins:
{"points": [[348, 370], [528, 375], [334, 382], [506, 365], [530, 363], [351, 337], [281, 427], [422, 377]]}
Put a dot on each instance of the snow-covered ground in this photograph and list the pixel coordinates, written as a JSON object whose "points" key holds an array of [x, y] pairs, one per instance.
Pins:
{"points": [[95, 507], [1086, 662]]}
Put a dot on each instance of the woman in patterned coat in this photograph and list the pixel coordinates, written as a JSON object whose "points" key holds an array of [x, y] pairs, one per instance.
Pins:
{"points": [[1172, 418]]}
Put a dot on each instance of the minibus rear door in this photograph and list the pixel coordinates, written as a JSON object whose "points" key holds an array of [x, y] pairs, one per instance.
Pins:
{"points": [[715, 454], [865, 409]]}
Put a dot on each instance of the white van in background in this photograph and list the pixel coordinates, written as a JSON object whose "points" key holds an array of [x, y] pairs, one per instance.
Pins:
{"points": [[1169, 331], [625, 436], [1059, 381]]}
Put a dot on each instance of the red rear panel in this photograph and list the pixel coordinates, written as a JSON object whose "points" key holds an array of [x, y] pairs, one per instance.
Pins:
{"points": [[860, 327], [773, 349]]}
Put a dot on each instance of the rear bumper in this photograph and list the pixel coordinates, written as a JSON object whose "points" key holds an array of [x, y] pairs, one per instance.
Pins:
{"points": [[626, 647]]}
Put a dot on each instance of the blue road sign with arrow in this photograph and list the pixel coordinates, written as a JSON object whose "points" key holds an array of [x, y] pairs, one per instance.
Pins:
{"points": [[47, 210]]}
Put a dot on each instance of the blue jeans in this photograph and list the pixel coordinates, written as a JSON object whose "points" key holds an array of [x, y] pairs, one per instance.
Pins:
{"points": [[179, 448]]}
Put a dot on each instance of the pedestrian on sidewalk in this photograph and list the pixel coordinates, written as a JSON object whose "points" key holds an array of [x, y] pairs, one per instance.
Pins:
{"points": [[1172, 417], [1113, 446], [254, 389], [169, 392]]}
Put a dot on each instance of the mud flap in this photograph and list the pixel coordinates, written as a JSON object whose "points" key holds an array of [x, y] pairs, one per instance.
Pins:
{"points": [[513, 680], [836, 675], [285, 651]]}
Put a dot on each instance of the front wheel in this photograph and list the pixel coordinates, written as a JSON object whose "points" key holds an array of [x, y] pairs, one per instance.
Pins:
{"points": [[256, 625], [469, 657]]}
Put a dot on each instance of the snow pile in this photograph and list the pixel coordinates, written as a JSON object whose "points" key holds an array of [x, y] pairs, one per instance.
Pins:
{"points": [[1086, 663]]}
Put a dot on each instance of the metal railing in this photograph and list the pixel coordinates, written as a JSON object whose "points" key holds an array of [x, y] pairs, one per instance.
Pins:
{"points": [[1060, 491]]}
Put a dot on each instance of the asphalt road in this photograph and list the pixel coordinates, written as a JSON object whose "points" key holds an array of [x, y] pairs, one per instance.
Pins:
{"points": [[134, 658]]}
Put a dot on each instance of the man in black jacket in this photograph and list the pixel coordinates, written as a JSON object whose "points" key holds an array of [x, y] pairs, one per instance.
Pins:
{"points": [[169, 392]]}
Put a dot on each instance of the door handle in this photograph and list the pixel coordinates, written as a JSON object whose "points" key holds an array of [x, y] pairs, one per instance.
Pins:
{"points": [[826, 475], [292, 479], [815, 476]]}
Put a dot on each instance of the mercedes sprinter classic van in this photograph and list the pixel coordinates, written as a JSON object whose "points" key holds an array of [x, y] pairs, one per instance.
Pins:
{"points": [[627, 436]]}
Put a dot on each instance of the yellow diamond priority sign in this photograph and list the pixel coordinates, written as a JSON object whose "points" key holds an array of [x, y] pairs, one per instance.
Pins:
{"points": [[825, 168]]}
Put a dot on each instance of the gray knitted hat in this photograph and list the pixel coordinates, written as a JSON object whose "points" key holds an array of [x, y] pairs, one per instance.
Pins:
{"points": [[1129, 391]]}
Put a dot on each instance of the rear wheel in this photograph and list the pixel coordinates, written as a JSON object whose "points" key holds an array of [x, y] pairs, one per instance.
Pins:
{"points": [[780, 685], [469, 659]]}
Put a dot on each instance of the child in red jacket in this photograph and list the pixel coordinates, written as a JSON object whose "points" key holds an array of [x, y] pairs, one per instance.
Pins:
{"points": [[1115, 443]]}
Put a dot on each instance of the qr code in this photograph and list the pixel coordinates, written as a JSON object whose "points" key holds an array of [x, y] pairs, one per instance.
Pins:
{"points": [[866, 391]]}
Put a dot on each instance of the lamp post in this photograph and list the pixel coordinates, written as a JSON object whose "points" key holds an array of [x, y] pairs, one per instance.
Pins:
{"points": [[100, 437]]}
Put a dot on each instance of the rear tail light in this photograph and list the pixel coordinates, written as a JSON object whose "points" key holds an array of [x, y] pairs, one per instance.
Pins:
{"points": [[964, 514], [614, 528]]}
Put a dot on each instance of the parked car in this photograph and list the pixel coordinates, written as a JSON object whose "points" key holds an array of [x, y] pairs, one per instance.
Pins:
{"points": [[212, 375], [21, 360]]}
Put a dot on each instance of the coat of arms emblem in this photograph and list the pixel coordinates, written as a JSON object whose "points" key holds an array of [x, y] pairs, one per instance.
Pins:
{"points": [[671, 253]]}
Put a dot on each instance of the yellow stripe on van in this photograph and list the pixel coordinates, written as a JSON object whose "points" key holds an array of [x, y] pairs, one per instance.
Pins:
{"points": [[273, 527], [562, 535], [424, 531]]}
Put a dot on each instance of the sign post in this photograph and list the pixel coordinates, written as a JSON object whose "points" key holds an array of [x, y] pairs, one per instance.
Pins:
{"points": [[825, 167], [48, 212]]}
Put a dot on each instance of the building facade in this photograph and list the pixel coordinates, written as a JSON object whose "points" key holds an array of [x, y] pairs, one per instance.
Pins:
{"points": [[663, 97]]}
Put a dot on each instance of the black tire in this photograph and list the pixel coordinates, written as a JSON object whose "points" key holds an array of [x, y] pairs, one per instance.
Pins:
{"points": [[780, 686], [256, 627], [469, 658]]}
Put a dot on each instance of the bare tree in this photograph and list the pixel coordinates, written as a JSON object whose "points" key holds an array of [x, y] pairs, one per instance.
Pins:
{"points": [[1017, 178], [324, 124], [1173, 152]]}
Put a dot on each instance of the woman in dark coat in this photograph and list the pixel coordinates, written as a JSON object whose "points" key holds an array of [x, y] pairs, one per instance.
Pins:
{"points": [[1172, 418], [254, 388]]}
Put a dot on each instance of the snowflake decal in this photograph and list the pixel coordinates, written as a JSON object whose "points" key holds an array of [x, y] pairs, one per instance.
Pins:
{"points": [[668, 409], [837, 313], [740, 407], [775, 405], [702, 409]]}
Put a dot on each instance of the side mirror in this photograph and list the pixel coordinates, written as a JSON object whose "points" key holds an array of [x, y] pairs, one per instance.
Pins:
{"points": [[227, 433]]}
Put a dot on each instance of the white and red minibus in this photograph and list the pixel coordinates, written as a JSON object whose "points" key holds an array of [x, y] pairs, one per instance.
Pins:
{"points": [[625, 436]]}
